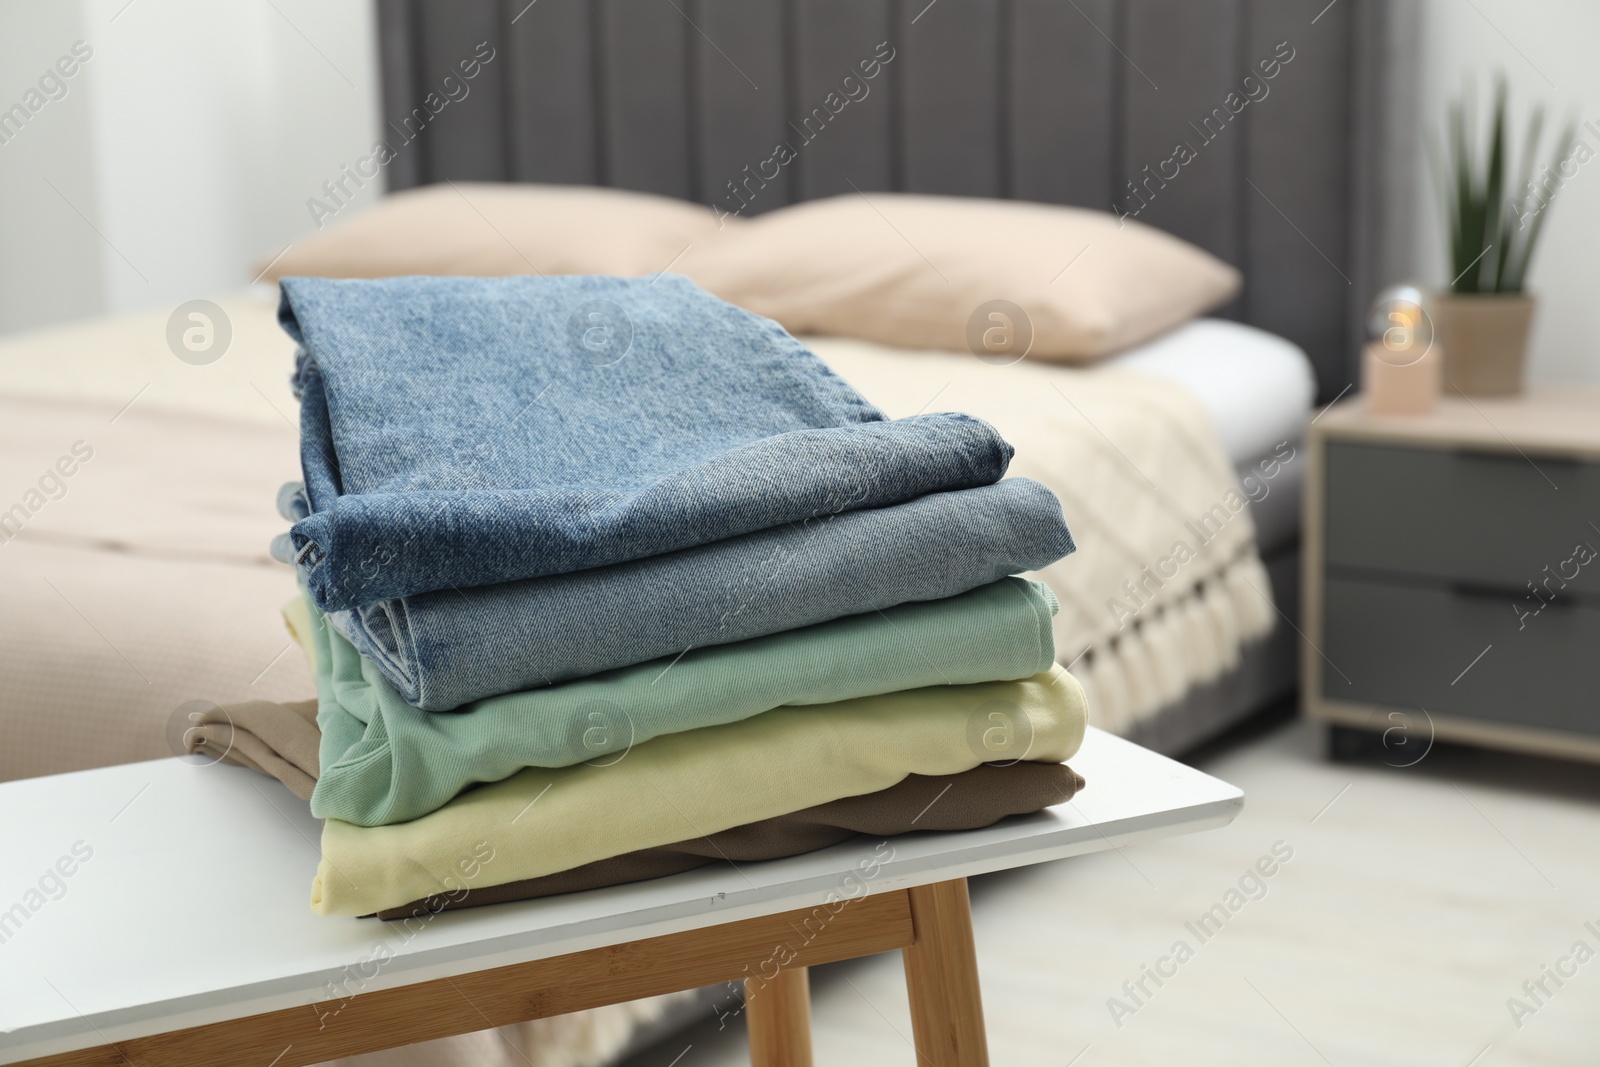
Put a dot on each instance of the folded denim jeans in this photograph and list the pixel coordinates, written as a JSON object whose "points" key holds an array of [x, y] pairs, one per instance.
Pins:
{"points": [[470, 431], [383, 761], [441, 650]]}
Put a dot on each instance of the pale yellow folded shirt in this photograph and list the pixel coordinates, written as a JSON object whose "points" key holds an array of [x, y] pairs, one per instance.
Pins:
{"points": [[685, 785]]}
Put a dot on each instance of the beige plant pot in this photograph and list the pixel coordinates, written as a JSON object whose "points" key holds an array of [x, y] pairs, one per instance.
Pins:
{"points": [[1485, 340]]}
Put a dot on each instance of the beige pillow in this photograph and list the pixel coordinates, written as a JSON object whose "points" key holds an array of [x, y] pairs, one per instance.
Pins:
{"points": [[481, 228], [921, 271]]}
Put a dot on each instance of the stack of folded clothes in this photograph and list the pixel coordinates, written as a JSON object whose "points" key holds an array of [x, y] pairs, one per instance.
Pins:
{"points": [[606, 579]]}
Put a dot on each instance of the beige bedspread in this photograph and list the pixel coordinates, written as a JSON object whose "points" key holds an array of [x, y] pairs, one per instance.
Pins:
{"points": [[140, 580], [137, 583]]}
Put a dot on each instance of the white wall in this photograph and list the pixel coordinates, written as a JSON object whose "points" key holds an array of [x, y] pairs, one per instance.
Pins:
{"points": [[49, 259], [190, 140], [1547, 49]]}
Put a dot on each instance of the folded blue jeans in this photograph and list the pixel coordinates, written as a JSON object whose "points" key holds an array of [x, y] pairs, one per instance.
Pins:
{"points": [[461, 432], [444, 649]]}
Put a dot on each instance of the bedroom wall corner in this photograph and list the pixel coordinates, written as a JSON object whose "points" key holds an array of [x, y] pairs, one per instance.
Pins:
{"points": [[49, 260], [188, 148]]}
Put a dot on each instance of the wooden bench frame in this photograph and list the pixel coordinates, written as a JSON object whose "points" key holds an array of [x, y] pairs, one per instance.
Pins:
{"points": [[931, 925]]}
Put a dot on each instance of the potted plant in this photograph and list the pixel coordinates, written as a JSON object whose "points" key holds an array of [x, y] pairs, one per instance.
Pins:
{"points": [[1483, 319]]}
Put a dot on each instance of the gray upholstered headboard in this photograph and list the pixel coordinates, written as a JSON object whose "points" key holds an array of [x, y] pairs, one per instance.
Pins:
{"points": [[1064, 101]]}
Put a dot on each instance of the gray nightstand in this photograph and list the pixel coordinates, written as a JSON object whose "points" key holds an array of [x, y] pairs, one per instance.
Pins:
{"points": [[1452, 573]]}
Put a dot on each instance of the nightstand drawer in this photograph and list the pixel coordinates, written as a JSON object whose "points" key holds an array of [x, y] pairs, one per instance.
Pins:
{"points": [[1414, 646], [1484, 518]]}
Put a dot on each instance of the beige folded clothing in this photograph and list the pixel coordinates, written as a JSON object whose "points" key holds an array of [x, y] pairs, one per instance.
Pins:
{"points": [[276, 739]]}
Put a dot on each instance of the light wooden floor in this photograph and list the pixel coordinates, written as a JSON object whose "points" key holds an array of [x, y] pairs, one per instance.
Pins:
{"points": [[1414, 906]]}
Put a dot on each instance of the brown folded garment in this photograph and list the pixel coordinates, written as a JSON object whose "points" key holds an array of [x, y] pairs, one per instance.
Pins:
{"points": [[967, 801], [281, 740]]}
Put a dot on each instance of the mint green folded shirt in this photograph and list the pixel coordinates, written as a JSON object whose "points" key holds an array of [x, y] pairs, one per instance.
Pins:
{"points": [[384, 761]]}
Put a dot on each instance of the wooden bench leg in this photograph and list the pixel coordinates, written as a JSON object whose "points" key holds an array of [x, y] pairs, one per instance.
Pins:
{"points": [[942, 978], [780, 1020]]}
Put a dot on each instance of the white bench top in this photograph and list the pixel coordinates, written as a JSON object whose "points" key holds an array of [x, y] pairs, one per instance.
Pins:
{"points": [[192, 904]]}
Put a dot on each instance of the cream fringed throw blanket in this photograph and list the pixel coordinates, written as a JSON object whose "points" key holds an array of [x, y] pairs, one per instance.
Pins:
{"points": [[1166, 586]]}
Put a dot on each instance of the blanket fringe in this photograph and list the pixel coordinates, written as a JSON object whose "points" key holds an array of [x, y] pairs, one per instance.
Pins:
{"points": [[1191, 641]]}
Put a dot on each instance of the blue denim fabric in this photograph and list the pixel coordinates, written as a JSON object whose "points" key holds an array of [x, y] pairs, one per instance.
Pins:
{"points": [[460, 432], [443, 649]]}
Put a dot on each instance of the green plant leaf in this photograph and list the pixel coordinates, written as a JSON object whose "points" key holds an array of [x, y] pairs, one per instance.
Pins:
{"points": [[1464, 231], [1519, 203], [1493, 229], [1488, 274], [1519, 267]]}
